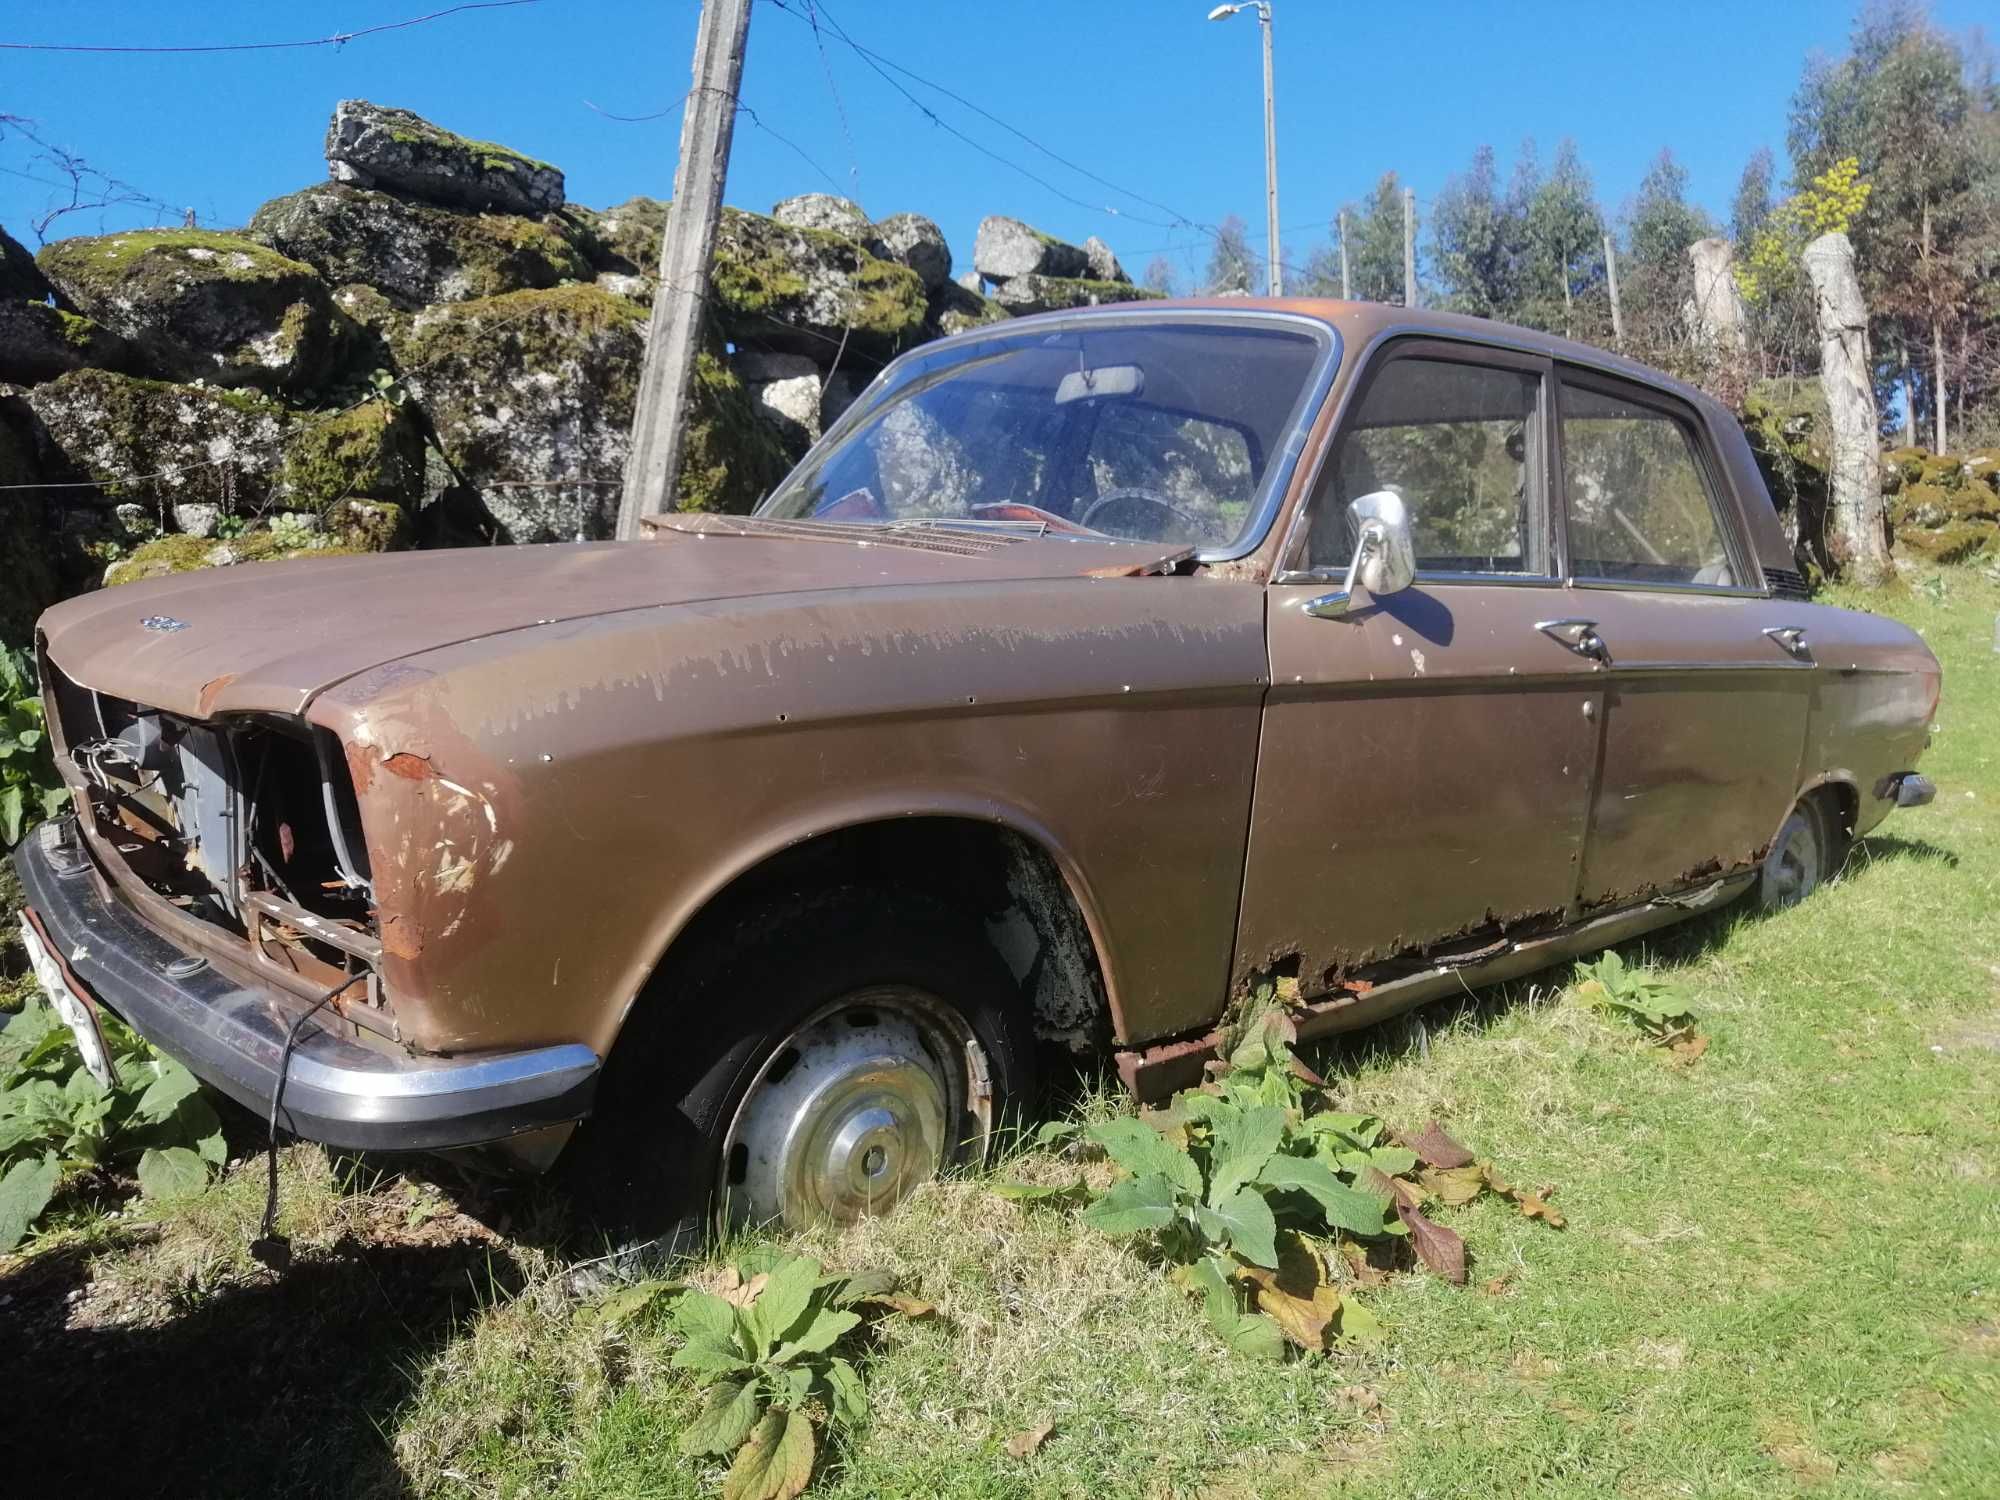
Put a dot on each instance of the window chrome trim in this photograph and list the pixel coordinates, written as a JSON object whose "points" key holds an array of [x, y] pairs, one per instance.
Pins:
{"points": [[1503, 580], [1638, 586], [1278, 472], [1649, 667]]}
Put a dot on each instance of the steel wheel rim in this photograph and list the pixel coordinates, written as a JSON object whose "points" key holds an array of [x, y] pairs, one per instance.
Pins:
{"points": [[859, 1105], [1794, 869]]}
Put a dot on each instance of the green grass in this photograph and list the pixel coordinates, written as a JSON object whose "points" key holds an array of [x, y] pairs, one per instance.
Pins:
{"points": [[1780, 1275]]}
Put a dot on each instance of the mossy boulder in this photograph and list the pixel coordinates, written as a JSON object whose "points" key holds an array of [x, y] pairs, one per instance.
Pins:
{"points": [[163, 444], [39, 341], [416, 253], [21, 280], [196, 305], [914, 241], [734, 456], [954, 308], [374, 450], [1033, 294], [29, 573], [369, 145], [810, 291], [1943, 507], [1006, 248], [1791, 435], [842, 216], [189, 554], [626, 239], [530, 395]]}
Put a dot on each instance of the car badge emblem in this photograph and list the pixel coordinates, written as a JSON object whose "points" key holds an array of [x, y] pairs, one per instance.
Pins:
{"points": [[163, 622]]}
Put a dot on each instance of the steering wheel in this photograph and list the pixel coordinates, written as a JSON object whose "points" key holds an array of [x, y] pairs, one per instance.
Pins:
{"points": [[1146, 497]]}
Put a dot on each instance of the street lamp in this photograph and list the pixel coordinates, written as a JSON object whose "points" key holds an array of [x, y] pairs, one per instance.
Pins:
{"points": [[1263, 9]]}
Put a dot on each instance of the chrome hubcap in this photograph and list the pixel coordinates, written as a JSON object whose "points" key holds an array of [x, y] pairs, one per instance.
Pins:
{"points": [[854, 1110]]}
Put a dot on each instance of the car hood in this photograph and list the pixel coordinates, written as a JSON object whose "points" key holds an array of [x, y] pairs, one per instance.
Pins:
{"points": [[269, 636]]}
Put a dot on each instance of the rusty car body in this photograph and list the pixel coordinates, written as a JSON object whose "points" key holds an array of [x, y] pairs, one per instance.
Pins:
{"points": [[541, 818]]}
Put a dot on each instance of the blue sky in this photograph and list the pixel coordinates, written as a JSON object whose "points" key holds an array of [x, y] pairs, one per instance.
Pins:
{"points": [[1143, 93]]}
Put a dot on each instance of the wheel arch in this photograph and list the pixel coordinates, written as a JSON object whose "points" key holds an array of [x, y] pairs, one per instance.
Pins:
{"points": [[1036, 907]]}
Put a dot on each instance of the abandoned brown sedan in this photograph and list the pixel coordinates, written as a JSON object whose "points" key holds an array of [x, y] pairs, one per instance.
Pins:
{"points": [[1092, 666]]}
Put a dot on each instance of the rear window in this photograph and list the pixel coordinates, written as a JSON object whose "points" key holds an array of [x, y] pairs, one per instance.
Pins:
{"points": [[1640, 510]]}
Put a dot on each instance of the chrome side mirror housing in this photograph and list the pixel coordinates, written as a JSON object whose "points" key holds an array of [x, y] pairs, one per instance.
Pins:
{"points": [[1384, 562]]}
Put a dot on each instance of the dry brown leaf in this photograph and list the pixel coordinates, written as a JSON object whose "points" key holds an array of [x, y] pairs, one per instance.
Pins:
{"points": [[1021, 1444], [1688, 1049], [1437, 1247], [1436, 1149], [747, 1292], [1297, 1296], [902, 1302], [1360, 1397], [1498, 1287], [1537, 1206], [1453, 1186], [1366, 1272]]}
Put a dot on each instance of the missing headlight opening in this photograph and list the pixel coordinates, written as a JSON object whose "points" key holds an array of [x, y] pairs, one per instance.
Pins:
{"points": [[249, 824]]}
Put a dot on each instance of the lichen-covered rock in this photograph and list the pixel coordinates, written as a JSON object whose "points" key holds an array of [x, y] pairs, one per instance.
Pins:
{"points": [[626, 238], [369, 145], [39, 341], [809, 291], [953, 309], [416, 253], [29, 574], [823, 211], [531, 396], [914, 241], [786, 389], [374, 450], [1032, 294], [163, 444], [1790, 432], [1942, 506], [196, 305], [633, 288], [187, 554], [733, 458], [21, 280], [1103, 264], [1007, 248]]}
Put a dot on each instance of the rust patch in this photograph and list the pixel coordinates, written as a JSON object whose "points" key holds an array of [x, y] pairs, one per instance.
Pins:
{"points": [[360, 765], [401, 937], [210, 691], [410, 767]]}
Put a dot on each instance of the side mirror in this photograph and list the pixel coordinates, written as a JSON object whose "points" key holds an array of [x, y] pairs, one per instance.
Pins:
{"points": [[1384, 560]]}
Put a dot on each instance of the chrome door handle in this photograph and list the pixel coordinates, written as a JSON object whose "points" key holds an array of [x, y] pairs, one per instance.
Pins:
{"points": [[1579, 635], [1791, 639]]}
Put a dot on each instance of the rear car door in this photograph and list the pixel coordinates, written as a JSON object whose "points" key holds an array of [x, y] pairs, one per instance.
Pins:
{"points": [[1424, 776], [1707, 680]]}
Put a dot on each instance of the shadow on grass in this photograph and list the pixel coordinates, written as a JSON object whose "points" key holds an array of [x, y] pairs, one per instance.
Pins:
{"points": [[270, 1386], [1889, 846]]}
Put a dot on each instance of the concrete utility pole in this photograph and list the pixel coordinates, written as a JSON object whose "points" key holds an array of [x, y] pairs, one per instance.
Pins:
{"points": [[1611, 274], [708, 123], [1274, 279], [1409, 247], [1346, 285]]}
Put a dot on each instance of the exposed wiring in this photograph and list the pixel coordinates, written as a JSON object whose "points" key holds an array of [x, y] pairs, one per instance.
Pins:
{"points": [[270, 1247]]}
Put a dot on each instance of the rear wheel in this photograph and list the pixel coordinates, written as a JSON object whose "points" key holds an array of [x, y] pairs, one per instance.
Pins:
{"points": [[838, 1052], [1800, 859]]}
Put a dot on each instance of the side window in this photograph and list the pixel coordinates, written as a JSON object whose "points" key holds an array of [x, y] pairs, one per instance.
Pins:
{"points": [[1460, 443], [1639, 507]]}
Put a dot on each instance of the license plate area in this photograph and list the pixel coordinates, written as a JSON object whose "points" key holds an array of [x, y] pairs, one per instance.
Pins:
{"points": [[77, 1009]]}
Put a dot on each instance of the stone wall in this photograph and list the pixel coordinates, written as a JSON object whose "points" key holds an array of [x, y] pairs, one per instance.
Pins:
{"points": [[435, 347]]}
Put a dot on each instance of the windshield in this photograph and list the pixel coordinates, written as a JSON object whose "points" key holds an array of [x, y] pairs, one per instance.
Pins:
{"points": [[1167, 431]]}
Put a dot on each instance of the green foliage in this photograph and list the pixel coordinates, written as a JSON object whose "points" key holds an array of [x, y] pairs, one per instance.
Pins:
{"points": [[1247, 1186], [30, 790], [1231, 266], [1655, 1006], [57, 1121], [763, 1346]]}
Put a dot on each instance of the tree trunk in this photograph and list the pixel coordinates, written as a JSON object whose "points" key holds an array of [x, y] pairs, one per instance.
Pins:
{"points": [[1938, 387], [1909, 404], [1858, 543]]}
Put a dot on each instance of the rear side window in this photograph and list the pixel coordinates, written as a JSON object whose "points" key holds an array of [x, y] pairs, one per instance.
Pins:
{"points": [[1459, 442], [1640, 510]]}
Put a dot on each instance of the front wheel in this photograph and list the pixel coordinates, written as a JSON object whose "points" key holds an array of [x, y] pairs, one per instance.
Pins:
{"points": [[838, 1052], [1800, 858]]}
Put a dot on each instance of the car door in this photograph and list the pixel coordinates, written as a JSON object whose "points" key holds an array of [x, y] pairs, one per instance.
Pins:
{"points": [[1424, 775], [1707, 680]]}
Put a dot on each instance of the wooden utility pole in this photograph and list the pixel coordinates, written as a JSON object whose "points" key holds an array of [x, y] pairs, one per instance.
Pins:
{"points": [[708, 123], [1409, 247], [1346, 286], [1617, 313]]}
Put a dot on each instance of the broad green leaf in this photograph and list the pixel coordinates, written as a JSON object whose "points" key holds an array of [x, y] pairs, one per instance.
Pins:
{"points": [[1054, 1133], [777, 1461], [30, 1025], [821, 1334], [1343, 1206], [709, 1356], [1242, 1333], [16, 1131], [1297, 1296], [703, 1315], [726, 1419], [850, 1400], [24, 1192], [1356, 1324], [1197, 1107], [1242, 1147], [81, 1091], [846, 1287], [1142, 1151], [1134, 1206], [798, 1385], [783, 1302], [172, 1172], [1252, 1230], [13, 806], [625, 1304], [163, 1095], [1392, 1161], [1041, 1192]]}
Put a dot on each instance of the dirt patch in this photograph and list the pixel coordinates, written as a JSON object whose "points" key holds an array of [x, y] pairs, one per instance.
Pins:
{"points": [[1976, 1033]]}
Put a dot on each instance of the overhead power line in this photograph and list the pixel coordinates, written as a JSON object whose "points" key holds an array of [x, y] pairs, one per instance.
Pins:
{"points": [[338, 39]]}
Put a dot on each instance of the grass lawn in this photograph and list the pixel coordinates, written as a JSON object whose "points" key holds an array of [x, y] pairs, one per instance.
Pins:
{"points": [[1780, 1273]]}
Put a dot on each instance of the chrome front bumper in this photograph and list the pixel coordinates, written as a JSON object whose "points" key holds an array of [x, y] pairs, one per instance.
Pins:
{"points": [[232, 1035]]}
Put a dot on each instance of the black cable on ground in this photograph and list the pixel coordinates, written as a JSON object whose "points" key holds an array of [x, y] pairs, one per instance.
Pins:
{"points": [[270, 1247]]}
